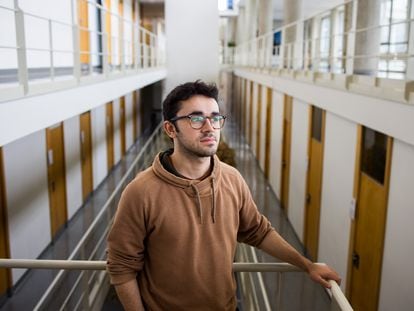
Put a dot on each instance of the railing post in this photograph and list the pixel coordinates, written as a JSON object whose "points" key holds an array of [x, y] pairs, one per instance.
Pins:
{"points": [[21, 48], [121, 44], [350, 51], [75, 43], [104, 40], [52, 65]]}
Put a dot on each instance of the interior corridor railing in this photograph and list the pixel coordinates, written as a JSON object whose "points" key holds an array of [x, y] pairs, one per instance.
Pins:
{"points": [[69, 49], [337, 298], [345, 39]]}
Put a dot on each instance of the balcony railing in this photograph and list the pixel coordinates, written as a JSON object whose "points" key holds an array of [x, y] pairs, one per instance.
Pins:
{"points": [[337, 298], [33, 50], [331, 42]]}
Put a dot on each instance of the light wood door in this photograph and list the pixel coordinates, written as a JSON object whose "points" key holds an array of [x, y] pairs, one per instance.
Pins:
{"points": [[314, 183], [86, 154], [122, 125], [287, 133], [250, 116], [258, 121], [56, 177], [83, 32], [268, 132], [110, 135], [370, 220], [5, 276]]}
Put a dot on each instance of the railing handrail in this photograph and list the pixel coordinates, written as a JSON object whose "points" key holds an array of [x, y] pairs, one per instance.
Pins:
{"points": [[335, 290]]}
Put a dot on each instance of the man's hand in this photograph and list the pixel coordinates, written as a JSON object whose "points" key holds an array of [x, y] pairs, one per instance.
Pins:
{"points": [[321, 273]]}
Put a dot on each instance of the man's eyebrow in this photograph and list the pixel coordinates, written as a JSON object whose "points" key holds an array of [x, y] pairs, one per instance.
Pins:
{"points": [[200, 113]]}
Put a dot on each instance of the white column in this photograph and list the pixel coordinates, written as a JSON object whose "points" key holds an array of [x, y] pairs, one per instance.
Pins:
{"points": [[367, 42], [192, 32], [292, 12]]}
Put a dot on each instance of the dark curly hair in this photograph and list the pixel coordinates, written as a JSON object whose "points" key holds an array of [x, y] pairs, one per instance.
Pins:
{"points": [[172, 103]]}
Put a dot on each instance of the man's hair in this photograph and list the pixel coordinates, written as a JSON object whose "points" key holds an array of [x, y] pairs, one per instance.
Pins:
{"points": [[172, 103]]}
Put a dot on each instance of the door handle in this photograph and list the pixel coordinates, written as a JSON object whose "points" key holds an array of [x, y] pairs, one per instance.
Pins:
{"points": [[308, 198]]}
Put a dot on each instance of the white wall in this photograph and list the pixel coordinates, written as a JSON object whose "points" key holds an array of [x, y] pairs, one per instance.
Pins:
{"points": [[71, 130], [116, 106], [27, 197], [337, 192], [263, 127], [193, 38], [129, 124], [298, 165], [276, 142], [26, 115], [99, 151], [397, 270]]}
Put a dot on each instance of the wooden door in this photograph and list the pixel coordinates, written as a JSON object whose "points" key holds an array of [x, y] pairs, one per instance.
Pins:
{"points": [[86, 154], [314, 182], [110, 135], [122, 125], [258, 121], [287, 133], [268, 132], [5, 275], [56, 177], [370, 220], [84, 32], [250, 116]]}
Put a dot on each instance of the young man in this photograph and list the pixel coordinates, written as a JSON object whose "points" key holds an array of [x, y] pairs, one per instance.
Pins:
{"points": [[174, 237]]}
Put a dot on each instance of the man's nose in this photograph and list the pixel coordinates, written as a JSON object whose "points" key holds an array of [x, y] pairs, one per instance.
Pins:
{"points": [[207, 125]]}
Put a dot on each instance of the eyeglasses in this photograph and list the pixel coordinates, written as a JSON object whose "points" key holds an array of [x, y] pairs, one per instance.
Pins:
{"points": [[197, 122]]}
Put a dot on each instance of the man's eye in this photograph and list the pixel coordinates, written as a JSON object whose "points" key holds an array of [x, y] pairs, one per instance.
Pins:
{"points": [[216, 118], [197, 119]]}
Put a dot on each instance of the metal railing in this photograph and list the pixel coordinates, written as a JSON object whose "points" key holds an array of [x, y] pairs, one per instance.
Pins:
{"points": [[338, 300], [345, 49], [79, 290], [130, 48]]}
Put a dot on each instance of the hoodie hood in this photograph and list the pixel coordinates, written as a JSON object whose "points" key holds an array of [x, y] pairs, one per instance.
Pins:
{"points": [[195, 189]]}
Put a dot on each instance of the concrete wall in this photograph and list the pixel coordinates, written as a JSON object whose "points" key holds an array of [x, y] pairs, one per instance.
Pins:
{"points": [[298, 165], [193, 38], [27, 197], [397, 272], [276, 142], [337, 194], [99, 149]]}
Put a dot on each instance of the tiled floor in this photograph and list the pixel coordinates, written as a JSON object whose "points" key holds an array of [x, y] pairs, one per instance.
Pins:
{"points": [[297, 291]]}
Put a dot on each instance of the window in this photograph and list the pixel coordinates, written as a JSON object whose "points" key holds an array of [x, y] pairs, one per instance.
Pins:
{"points": [[374, 153], [394, 38], [325, 44]]}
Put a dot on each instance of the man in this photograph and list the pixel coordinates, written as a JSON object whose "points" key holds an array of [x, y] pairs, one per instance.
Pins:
{"points": [[173, 240]]}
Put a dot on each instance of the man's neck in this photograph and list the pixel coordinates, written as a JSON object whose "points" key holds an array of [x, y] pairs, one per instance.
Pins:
{"points": [[191, 167]]}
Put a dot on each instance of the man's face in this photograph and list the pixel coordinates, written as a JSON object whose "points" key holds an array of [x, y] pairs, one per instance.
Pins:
{"points": [[201, 142]]}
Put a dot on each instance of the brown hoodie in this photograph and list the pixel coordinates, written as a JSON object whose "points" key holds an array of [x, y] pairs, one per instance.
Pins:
{"points": [[180, 236]]}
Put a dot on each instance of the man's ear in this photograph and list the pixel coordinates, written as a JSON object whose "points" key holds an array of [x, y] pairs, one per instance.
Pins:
{"points": [[170, 129]]}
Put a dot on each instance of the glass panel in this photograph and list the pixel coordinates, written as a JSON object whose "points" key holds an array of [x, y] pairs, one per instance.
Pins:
{"points": [[317, 123], [373, 155]]}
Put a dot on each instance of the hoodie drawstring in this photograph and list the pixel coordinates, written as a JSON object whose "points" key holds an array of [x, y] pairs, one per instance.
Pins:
{"points": [[200, 212], [198, 202], [213, 188]]}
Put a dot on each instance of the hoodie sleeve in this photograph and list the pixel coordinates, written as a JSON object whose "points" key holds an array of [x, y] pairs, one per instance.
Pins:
{"points": [[126, 238], [253, 226]]}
